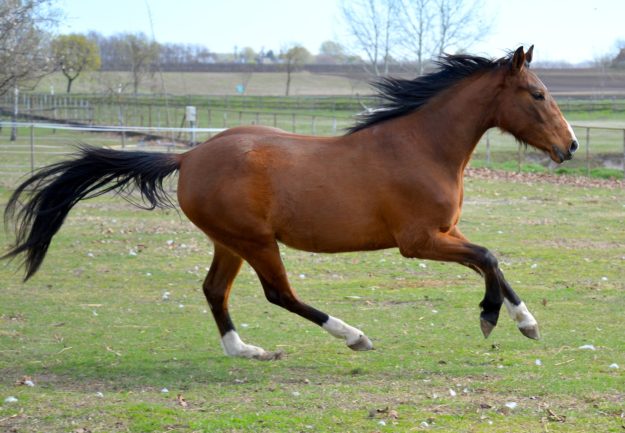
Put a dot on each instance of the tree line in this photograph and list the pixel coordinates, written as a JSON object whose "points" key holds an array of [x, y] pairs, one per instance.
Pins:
{"points": [[381, 31], [379, 34]]}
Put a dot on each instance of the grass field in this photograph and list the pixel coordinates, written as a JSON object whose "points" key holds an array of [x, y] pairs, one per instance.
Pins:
{"points": [[95, 337], [205, 83]]}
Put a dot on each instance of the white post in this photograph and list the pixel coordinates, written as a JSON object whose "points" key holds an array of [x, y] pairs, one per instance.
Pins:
{"points": [[191, 116]]}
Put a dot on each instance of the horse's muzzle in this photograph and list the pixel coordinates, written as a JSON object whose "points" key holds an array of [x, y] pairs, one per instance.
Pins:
{"points": [[569, 153]]}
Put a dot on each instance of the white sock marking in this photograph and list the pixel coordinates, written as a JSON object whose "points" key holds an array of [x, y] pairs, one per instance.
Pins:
{"points": [[234, 346], [340, 329], [520, 314]]}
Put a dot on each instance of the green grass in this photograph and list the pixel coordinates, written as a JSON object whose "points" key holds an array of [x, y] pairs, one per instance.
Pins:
{"points": [[93, 321]]}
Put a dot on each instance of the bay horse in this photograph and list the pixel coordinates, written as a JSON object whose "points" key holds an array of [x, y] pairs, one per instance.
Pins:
{"points": [[395, 179]]}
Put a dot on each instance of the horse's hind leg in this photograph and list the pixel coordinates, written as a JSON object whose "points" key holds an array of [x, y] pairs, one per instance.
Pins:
{"points": [[217, 285], [268, 265]]}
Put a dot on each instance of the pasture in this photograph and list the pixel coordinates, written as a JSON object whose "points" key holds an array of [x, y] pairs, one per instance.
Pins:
{"points": [[94, 334]]}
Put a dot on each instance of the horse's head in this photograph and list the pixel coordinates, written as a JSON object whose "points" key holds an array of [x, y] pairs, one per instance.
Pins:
{"points": [[526, 109]]}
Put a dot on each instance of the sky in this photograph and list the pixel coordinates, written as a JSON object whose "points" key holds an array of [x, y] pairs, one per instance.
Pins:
{"points": [[571, 31]]}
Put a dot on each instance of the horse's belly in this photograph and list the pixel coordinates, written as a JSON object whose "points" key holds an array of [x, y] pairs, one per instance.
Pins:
{"points": [[335, 233]]}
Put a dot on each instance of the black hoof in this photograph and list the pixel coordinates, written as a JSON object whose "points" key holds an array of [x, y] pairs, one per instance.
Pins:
{"points": [[270, 356], [363, 343], [486, 327]]}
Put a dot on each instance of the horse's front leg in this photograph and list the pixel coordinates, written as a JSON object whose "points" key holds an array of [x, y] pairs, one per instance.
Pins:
{"points": [[452, 246]]}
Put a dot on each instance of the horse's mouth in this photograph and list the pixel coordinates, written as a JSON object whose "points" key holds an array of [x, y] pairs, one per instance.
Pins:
{"points": [[558, 156]]}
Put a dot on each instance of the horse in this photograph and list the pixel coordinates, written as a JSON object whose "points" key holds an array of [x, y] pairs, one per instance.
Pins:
{"points": [[393, 180]]}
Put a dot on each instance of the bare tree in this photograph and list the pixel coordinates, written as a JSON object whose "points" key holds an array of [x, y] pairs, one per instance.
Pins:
{"points": [[373, 25], [461, 23], [416, 29], [142, 55], [24, 41], [416, 25]]}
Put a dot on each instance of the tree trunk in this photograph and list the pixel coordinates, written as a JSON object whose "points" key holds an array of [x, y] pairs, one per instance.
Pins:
{"points": [[288, 80]]}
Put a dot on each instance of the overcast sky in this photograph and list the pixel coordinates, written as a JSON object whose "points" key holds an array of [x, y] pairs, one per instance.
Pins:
{"points": [[562, 30]]}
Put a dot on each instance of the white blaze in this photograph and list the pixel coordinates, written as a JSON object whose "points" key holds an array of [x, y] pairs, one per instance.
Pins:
{"points": [[572, 132]]}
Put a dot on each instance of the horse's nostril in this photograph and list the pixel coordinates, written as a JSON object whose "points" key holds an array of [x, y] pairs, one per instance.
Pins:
{"points": [[574, 146]]}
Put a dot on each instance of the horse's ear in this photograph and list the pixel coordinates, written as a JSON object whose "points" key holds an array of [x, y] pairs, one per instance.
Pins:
{"points": [[518, 60], [529, 54]]}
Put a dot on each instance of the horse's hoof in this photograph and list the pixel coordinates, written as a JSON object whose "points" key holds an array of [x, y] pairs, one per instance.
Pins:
{"points": [[363, 343], [270, 356], [487, 327], [531, 332]]}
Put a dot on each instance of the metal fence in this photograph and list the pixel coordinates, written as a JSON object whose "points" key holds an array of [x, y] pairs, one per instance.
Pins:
{"points": [[27, 146], [601, 152], [313, 115]]}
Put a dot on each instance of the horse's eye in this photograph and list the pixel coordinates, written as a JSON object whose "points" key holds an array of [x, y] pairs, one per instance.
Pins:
{"points": [[539, 96]]}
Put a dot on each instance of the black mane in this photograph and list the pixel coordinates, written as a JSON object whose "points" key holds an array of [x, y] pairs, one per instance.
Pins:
{"points": [[401, 96]]}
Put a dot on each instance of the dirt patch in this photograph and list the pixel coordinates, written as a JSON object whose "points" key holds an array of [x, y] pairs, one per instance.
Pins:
{"points": [[532, 178], [577, 244]]}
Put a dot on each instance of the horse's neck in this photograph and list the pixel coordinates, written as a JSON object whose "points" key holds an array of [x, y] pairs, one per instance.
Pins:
{"points": [[452, 123]]}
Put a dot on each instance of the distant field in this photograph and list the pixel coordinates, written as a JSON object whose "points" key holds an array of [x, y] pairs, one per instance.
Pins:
{"points": [[98, 342], [574, 83], [196, 83]]}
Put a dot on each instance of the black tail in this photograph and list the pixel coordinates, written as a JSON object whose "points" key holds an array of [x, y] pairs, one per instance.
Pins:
{"points": [[53, 190]]}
